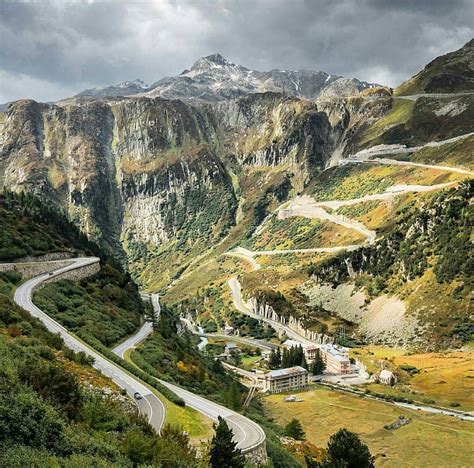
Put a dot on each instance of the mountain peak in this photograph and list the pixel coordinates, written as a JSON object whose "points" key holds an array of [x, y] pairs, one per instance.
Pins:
{"points": [[213, 62], [216, 58]]}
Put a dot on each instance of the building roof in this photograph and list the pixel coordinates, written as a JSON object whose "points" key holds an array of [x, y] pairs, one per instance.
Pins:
{"points": [[305, 346], [231, 346], [337, 352], [386, 374], [297, 370]]}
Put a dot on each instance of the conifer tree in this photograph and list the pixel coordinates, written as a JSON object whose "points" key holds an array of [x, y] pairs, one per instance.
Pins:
{"points": [[223, 449], [318, 366]]}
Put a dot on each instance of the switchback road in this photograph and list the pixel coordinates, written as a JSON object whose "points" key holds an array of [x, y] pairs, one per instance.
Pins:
{"points": [[247, 433], [144, 331], [150, 404]]}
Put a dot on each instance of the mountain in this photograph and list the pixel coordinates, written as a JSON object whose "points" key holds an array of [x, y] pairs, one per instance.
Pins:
{"points": [[125, 88], [169, 185], [449, 73], [153, 176], [214, 78]]}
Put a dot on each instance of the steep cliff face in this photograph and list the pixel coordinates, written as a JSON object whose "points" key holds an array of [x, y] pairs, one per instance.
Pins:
{"points": [[65, 155], [270, 130], [351, 116], [152, 175]]}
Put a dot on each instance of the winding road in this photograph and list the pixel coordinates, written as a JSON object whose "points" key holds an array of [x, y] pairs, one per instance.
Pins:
{"points": [[396, 162], [256, 343], [141, 334], [247, 433], [150, 404], [241, 306]]}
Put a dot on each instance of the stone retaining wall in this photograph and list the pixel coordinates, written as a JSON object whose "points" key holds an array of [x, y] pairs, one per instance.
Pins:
{"points": [[74, 275], [28, 270], [257, 455]]}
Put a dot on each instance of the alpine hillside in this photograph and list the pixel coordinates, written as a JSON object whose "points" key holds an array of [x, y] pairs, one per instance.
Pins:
{"points": [[222, 158]]}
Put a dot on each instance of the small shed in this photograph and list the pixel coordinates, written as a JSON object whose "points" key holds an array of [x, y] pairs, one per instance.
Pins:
{"points": [[387, 377], [232, 348]]}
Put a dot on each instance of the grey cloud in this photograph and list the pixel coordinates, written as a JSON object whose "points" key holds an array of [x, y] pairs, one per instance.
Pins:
{"points": [[67, 46]]}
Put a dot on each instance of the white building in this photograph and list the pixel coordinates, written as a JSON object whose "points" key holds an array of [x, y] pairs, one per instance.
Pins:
{"points": [[283, 380], [336, 359], [387, 377]]}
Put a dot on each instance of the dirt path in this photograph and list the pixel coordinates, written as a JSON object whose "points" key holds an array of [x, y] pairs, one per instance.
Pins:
{"points": [[391, 192], [396, 162], [306, 207]]}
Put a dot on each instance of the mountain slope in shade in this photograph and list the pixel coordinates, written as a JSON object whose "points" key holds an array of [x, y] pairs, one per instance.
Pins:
{"points": [[449, 73]]}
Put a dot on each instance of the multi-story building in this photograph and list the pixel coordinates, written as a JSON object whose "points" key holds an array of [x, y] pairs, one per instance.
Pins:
{"points": [[283, 380], [336, 359]]}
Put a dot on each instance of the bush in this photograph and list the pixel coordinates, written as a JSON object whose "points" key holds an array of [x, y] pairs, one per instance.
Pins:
{"points": [[148, 378], [295, 430]]}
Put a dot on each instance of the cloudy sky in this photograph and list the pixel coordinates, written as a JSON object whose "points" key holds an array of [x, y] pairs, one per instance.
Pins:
{"points": [[53, 49]]}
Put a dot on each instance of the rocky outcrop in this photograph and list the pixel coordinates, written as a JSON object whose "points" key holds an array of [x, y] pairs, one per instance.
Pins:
{"points": [[271, 130], [350, 116], [141, 175], [296, 324]]}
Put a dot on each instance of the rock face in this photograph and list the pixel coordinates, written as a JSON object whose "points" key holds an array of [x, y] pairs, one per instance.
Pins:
{"points": [[145, 175], [267, 312], [214, 78]]}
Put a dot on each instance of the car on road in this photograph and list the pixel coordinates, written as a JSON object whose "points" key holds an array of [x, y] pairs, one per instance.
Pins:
{"points": [[137, 396]]}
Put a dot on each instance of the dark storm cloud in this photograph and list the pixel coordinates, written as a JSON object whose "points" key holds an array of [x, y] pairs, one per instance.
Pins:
{"points": [[52, 49]]}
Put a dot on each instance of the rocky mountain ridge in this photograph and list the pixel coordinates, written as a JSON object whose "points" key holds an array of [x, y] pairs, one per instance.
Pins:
{"points": [[214, 78], [126, 88]]}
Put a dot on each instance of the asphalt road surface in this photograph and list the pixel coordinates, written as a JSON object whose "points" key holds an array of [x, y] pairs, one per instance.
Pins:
{"points": [[247, 433], [150, 405], [144, 331]]}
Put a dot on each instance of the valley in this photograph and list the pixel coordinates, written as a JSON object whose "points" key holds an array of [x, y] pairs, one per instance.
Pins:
{"points": [[178, 236]]}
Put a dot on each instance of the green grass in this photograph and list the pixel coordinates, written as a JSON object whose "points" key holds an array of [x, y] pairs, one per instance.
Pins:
{"points": [[401, 112], [429, 440], [194, 423]]}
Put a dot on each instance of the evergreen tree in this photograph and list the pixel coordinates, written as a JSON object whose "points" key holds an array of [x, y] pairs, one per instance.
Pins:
{"points": [[223, 449], [318, 366], [232, 397], [346, 449], [295, 430], [285, 359], [275, 359]]}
